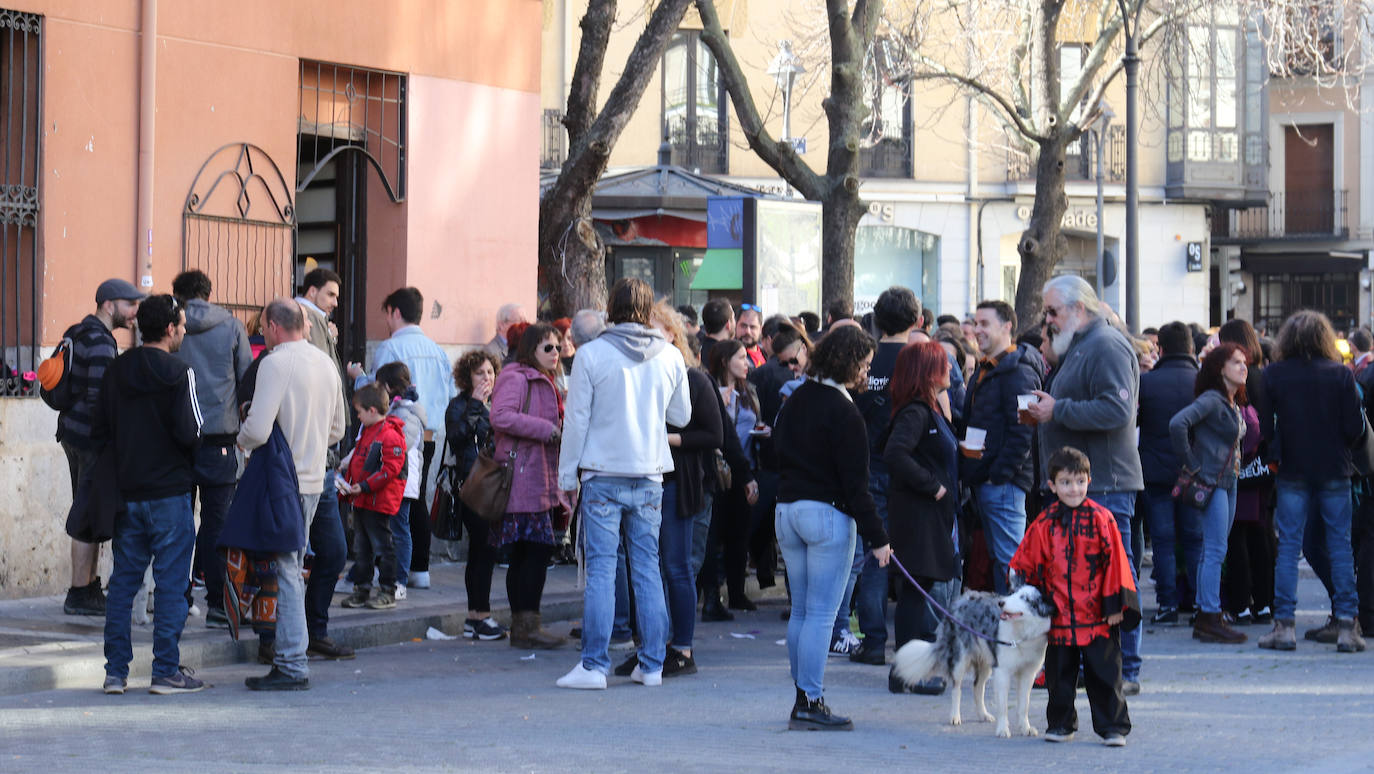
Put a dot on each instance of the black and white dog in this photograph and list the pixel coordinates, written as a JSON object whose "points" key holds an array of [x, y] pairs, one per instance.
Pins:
{"points": [[1020, 624]]}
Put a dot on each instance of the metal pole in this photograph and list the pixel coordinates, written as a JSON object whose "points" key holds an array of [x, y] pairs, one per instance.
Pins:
{"points": [[1132, 62], [1101, 257], [787, 122]]}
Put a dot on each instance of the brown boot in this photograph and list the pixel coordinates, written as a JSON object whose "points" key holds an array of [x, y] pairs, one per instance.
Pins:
{"points": [[1349, 639], [519, 630], [1210, 627], [1283, 637], [1325, 634], [540, 638]]}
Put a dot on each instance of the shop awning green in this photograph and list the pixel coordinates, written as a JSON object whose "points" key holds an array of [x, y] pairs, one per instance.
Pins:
{"points": [[721, 269]]}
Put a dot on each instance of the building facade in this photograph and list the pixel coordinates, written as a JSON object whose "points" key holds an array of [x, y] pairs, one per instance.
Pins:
{"points": [[950, 191], [395, 143]]}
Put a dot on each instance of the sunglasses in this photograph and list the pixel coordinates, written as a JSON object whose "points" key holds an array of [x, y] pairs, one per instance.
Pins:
{"points": [[750, 308], [791, 362], [547, 348]]}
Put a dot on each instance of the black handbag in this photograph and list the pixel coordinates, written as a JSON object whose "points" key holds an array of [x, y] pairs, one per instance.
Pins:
{"points": [[1193, 490], [444, 519]]}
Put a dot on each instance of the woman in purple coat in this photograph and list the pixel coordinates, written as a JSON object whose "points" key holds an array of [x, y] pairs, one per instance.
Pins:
{"points": [[527, 415]]}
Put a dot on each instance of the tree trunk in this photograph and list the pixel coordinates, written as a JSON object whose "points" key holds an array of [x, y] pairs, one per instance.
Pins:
{"points": [[1042, 244], [840, 214], [572, 268]]}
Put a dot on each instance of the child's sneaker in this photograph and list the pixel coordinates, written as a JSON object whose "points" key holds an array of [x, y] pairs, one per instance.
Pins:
{"points": [[358, 598], [1058, 735], [385, 600], [1114, 740]]}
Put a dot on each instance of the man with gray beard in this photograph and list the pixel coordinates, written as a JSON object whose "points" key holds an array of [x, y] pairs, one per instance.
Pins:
{"points": [[1091, 406]]}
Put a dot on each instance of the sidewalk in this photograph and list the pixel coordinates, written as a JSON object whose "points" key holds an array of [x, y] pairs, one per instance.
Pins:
{"points": [[41, 648]]}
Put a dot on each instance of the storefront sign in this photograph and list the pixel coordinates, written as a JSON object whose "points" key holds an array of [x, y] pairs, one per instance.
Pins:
{"points": [[1076, 218], [1194, 256]]}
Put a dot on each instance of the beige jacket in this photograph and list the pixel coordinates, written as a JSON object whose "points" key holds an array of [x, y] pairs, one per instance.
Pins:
{"points": [[299, 388]]}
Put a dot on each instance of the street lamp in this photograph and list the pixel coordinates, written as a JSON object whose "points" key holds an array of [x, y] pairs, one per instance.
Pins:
{"points": [[1130, 24], [785, 68]]}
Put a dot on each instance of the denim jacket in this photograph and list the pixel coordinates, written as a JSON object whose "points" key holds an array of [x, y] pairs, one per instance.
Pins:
{"points": [[430, 371]]}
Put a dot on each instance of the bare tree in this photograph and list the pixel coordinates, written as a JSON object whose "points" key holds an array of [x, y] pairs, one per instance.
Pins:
{"points": [[572, 268], [850, 38]]}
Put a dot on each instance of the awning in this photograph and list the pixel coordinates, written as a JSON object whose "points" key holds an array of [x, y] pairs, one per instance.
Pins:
{"points": [[1302, 263], [721, 269]]}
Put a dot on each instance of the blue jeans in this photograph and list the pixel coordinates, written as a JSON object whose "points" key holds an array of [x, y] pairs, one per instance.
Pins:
{"points": [[611, 505], [400, 539], [1004, 524], [292, 636], [1122, 506], [675, 547], [1172, 525], [163, 532], [1215, 524], [330, 548], [817, 543], [1330, 501]]}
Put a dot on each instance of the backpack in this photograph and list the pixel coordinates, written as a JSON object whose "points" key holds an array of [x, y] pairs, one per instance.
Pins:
{"points": [[55, 374]]}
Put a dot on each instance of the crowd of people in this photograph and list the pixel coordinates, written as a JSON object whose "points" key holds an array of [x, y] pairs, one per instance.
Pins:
{"points": [[673, 449]]}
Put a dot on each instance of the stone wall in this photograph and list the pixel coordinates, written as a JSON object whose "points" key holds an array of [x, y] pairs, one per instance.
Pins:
{"points": [[35, 493]]}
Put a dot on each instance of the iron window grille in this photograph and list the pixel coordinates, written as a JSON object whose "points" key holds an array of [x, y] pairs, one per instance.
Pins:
{"points": [[21, 107], [354, 108], [695, 119], [555, 150]]}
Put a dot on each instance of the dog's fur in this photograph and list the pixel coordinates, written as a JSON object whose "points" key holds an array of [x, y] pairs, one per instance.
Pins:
{"points": [[1022, 618]]}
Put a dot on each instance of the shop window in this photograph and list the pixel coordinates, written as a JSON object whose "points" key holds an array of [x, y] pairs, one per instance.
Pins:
{"points": [[21, 260], [1335, 294], [695, 120]]}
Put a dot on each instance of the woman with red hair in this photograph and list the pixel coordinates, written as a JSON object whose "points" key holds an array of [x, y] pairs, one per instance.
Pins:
{"points": [[922, 458]]}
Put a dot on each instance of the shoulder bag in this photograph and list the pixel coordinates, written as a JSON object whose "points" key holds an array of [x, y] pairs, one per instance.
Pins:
{"points": [[444, 519], [1192, 489], [487, 488]]}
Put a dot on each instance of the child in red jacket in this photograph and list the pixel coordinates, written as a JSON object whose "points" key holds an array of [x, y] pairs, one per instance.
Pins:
{"points": [[376, 482], [1073, 552]]}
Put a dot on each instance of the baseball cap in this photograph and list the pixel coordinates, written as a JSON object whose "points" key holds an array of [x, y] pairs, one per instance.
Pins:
{"points": [[117, 290]]}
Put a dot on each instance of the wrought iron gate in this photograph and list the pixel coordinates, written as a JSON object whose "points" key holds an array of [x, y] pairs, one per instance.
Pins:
{"points": [[238, 227]]}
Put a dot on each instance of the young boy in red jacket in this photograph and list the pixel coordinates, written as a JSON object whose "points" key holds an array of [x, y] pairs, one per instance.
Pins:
{"points": [[1073, 552], [376, 482]]}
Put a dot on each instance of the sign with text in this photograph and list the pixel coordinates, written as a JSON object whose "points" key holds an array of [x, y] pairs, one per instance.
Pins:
{"points": [[1194, 256]]}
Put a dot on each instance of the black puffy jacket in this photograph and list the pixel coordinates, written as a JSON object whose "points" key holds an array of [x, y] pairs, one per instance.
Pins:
{"points": [[1164, 391], [990, 404]]}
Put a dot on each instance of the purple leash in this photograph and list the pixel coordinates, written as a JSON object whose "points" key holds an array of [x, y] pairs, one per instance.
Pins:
{"points": [[948, 615]]}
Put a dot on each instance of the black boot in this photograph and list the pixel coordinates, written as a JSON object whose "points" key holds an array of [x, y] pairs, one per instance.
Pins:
{"points": [[713, 610], [815, 716]]}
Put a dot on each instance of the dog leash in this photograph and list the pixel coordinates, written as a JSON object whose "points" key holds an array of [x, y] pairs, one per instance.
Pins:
{"points": [[948, 615]]}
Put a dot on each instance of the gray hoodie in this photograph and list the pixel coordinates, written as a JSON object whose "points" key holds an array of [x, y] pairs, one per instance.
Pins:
{"points": [[216, 348], [636, 342]]}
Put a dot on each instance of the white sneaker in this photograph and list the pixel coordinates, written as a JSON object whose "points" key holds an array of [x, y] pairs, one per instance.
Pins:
{"points": [[584, 679], [419, 580], [844, 644], [647, 678], [400, 591]]}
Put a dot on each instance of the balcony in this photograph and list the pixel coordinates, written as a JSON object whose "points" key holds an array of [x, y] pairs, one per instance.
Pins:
{"points": [[1080, 159], [1299, 218], [889, 157], [701, 145], [555, 146]]}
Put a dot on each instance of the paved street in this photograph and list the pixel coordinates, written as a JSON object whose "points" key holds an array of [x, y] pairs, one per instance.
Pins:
{"points": [[457, 705]]}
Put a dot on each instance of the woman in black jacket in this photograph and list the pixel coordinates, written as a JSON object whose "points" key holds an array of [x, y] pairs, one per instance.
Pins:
{"points": [[467, 423], [822, 445], [923, 461]]}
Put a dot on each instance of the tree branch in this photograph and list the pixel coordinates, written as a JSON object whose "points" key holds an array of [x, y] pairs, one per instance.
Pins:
{"points": [[782, 157], [1008, 110], [591, 56]]}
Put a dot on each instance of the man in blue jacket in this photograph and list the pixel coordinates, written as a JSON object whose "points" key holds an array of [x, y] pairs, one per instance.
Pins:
{"points": [[1003, 475], [1164, 392]]}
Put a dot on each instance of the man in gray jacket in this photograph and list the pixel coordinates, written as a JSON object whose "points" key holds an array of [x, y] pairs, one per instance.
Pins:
{"points": [[216, 348], [1091, 406]]}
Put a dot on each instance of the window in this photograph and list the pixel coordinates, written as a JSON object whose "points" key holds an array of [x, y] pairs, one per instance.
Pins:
{"points": [[695, 121], [1335, 294], [886, 131], [20, 260]]}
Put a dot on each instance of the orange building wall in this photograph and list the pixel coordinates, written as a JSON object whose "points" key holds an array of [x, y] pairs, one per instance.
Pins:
{"points": [[228, 72]]}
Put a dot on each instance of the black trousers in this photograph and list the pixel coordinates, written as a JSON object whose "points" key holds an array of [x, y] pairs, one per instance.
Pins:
{"points": [[913, 618], [729, 534], [1101, 661], [761, 531], [1247, 578], [529, 566], [419, 519], [481, 560]]}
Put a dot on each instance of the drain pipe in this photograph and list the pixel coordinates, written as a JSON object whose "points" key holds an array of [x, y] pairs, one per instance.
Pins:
{"points": [[147, 122], [983, 202]]}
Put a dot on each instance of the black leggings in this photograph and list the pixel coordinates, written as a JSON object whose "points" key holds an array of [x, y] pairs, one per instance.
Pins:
{"points": [[1248, 576], [419, 519], [529, 564], [481, 561]]}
